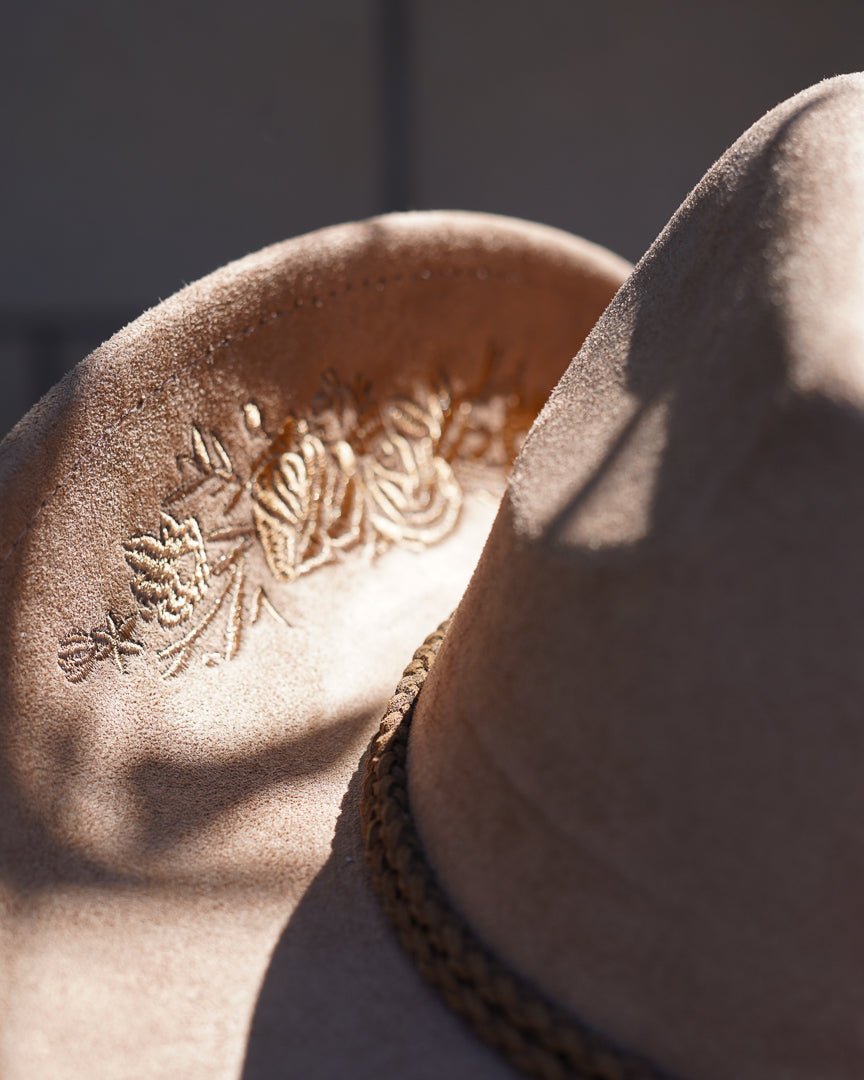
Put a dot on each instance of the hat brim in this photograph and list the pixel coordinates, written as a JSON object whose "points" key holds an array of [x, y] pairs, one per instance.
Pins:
{"points": [[225, 533]]}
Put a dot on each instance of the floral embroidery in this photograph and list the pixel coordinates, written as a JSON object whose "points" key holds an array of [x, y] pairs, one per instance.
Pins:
{"points": [[347, 473], [171, 569], [81, 649]]}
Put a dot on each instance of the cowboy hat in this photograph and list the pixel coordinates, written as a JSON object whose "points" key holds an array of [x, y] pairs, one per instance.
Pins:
{"points": [[223, 532], [622, 793], [613, 804]]}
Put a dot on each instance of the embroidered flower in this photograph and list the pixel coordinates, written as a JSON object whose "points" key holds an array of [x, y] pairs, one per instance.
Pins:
{"points": [[114, 640], [305, 505], [412, 494], [171, 569], [81, 649]]}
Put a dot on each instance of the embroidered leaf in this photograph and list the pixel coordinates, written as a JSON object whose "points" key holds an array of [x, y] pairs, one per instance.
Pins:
{"points": [[262, 602], [252, 417], [222, 454], [76, 655], [199, 449]]}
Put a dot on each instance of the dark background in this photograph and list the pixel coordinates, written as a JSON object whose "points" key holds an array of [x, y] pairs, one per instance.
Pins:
{"points": [[146, 144]]}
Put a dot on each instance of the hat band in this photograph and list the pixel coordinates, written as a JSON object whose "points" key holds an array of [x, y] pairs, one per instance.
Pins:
{"points": [[533, 1034]]}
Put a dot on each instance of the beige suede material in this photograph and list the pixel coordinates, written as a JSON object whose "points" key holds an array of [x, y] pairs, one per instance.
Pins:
{"points": [[644, 727], [183, 892]]}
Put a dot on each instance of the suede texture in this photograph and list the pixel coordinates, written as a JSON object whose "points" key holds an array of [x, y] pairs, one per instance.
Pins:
{"points": [[183, 891], [645, 720]]}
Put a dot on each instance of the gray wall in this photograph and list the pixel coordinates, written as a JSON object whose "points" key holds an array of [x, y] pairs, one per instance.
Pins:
{"points": [[146, 144]]}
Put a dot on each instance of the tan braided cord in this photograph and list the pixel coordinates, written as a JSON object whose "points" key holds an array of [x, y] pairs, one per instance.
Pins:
{"points": [[533, 1034]]}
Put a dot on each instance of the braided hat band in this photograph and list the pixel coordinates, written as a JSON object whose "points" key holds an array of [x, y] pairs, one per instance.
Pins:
{"points": [[533, 1034]]}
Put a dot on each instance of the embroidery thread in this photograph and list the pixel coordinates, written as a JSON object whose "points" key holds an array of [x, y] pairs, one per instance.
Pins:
{"points": [[346, 474], [81, 649]]}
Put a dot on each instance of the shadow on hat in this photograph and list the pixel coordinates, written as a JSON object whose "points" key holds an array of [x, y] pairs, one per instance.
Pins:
{"points": [[222, 535], [644, 728], [611, 812]]}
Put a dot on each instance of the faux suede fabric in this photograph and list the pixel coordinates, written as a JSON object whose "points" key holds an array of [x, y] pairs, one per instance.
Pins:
{"points": [[182, 889], [644, 725]]}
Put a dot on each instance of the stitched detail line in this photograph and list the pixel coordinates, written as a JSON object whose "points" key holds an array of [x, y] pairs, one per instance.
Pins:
{"points": [[532, 1033], [315, 302]]}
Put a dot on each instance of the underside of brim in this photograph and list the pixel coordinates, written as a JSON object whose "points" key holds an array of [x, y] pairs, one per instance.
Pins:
{"points": [[223, 535]]}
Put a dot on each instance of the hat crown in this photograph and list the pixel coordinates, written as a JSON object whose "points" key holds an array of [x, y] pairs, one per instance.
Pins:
{"points": [[646, 715]]}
